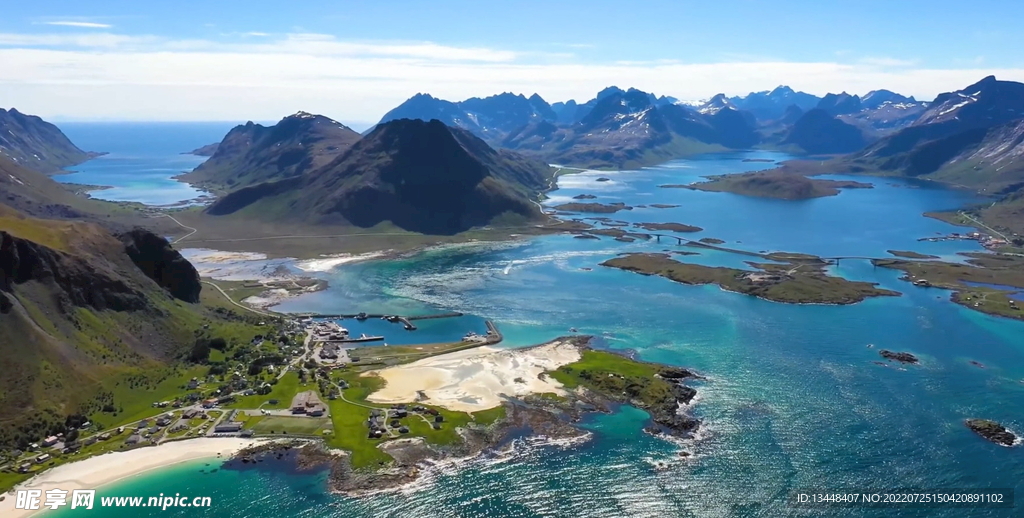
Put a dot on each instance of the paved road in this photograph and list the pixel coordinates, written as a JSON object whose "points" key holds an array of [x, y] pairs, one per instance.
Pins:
{"points": [[982, 225], [247, 308], [180, 224], [301, 358]]}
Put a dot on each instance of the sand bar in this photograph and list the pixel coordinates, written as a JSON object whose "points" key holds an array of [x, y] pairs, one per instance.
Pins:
{"points": [[476, 379], [328, 263], [98, 471]]}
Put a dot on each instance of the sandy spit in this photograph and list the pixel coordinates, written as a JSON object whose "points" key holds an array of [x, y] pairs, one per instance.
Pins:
{"points": [[101, 470]]}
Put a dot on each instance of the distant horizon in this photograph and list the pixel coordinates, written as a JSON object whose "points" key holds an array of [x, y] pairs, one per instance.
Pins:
{"points": [[362, 125], [190, 61]]}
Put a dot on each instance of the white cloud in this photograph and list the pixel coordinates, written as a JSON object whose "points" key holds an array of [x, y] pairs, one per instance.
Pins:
{"points": [[88, 25], [887, 62], [87, 40], [147, 78]]}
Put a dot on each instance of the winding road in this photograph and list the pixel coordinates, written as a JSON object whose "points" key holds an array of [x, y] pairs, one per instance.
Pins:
{"points": [[231, 300]]}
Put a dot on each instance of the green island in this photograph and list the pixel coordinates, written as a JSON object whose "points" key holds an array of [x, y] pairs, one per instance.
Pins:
{"points": [[672, 227], [909, 254], [800, 279], [593, 207], [773, 184], [985, 283]]}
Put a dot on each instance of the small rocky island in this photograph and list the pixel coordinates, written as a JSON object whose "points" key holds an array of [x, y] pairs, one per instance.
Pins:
{"points": [[672, 227], [795, 279], [774, 184], [910, 254], [593, 207], [992, 431], [902, 357], [597, 381]]}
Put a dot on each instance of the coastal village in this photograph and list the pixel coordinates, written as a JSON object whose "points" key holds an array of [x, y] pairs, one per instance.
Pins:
{"points": [[299, 376]]}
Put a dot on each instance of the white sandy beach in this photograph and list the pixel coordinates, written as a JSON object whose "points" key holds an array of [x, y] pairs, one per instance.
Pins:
{"points": [[101, 470], [329, 262], [475, 379]]}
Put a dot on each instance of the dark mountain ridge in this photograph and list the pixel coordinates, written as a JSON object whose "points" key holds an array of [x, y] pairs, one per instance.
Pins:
{"points": [[421, 176], [634, 128], [32, 142], [253, 153], [818, 132]]}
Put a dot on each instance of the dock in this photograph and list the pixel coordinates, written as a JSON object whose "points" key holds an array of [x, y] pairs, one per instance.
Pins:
{"points": [[355, 340]]}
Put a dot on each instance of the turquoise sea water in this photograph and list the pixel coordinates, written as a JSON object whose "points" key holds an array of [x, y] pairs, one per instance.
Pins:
{"points": [[793, 397], [142, 158]]}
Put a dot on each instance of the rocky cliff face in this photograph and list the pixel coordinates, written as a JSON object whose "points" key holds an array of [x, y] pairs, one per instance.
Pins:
{"points": [[162, 263], [73, 281]]}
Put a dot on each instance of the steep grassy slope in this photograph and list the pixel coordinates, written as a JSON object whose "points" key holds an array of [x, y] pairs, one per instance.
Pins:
{"points": [[78, 318]]}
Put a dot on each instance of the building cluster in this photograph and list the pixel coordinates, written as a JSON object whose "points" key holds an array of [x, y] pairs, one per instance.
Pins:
{"points": [[383, 421], [308, 403]]}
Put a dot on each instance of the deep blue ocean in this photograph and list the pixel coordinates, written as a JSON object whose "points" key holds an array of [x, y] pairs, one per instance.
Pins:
{"points": [[793, 397], [142, 158]]}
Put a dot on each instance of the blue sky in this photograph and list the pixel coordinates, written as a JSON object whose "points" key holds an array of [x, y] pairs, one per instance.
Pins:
{"points": [[353, 60]]}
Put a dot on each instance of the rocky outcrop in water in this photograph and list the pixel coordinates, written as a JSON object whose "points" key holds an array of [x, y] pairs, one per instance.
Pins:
{"points": [[992, 431], [901, 357], [162, 263]]}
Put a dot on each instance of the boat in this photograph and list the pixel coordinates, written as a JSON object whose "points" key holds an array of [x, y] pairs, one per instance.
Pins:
{"points": [[573, 330]]}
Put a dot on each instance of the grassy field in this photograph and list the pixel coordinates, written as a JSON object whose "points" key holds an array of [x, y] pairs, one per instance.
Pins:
{"points": [[491, 416], [269, 425], [602, 362], [618, 377], [135, 392], [283, 392], [350, 429], [349, 423]]}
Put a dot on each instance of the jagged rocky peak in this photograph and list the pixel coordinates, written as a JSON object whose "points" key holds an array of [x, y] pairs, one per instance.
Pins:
{"points": [[610, 90], [877, 98], [989, 101], [840, 104], [716, 104]]}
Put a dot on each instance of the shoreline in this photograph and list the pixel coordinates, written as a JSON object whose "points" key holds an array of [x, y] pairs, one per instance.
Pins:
{"points": [[103, 470]]}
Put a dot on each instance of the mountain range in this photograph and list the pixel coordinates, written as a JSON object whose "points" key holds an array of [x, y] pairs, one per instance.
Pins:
{"points": [[971, 137], [251, 153], [420, 176], [773, 105]]}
